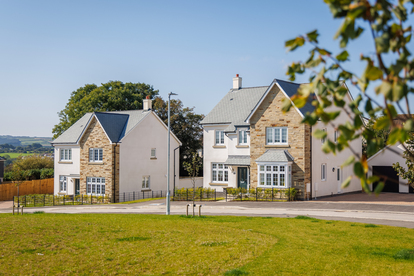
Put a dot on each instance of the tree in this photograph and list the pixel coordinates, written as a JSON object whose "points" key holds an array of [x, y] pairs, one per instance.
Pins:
{"points": [[185, 124], [111, 96], [409, 173], [389, 67], [193, 167]]}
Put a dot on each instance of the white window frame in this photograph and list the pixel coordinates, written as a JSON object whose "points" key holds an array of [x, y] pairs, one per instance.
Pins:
{"points": [[219, 173], [95, 185], [63, 184], [336, 136], [219, 137], [242, 137], [153, 153], [95, 155], [323, 172], [324, 139], [273, 132], [271, 174], [146, 182], [65, 154]]}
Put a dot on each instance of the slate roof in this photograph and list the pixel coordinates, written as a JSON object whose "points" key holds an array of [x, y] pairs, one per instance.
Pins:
{"points": [[234, 108], [238, 104], [116, 124], [238, 160], [275, 155]]}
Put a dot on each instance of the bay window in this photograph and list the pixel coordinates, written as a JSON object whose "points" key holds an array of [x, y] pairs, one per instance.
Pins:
{"points": [[275, 175], [220, 173], [277, 136]]}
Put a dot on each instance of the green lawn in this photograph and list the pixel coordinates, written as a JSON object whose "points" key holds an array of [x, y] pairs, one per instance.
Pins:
{"points": [[15, 154], [108, 244]]}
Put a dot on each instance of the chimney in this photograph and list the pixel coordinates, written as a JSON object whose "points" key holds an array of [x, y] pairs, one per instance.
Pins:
{"points": [[147, 103], [237, 82]]}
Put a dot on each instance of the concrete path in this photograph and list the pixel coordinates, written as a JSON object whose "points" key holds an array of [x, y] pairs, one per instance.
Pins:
{"points": [[401, 214]]}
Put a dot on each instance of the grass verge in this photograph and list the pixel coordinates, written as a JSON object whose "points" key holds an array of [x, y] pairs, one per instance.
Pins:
{"points": [[106, 244]]}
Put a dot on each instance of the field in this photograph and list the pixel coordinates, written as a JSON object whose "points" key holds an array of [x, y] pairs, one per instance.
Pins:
{"points": [[15, 154], [109, 244]]}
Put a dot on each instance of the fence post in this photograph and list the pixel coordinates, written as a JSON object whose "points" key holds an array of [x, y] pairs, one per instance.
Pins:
{"points": [[91, 199], [152, 194], [272, 193], [215, 194], [53, 201], [143, 194], [34, 201], [82, 199], [256, 193], [201, 194], [44, 200], [187, 194], [225, 193]]}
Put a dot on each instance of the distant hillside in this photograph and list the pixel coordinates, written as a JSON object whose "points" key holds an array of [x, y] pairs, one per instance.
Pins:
{"points": [[24, 140]]}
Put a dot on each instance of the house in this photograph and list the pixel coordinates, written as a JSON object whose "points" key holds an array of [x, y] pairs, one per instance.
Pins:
{"points": [[2, 162], [381, 164], [109, 153], [249, 142]]}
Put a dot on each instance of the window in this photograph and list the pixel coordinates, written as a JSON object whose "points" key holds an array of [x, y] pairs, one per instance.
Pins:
{"points": [[146, 182], [95, 155], [336, 135], [219, 137], [95, 185], [323, 172], [153, 153], [323, 139], [276, 135], [338, 174], [220, 173], [242, 137], [275, 175], [62, 183], [65, 154]]}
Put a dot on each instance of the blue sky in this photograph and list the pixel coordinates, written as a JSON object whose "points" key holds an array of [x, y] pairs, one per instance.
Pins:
{"points": [[193, 48]]}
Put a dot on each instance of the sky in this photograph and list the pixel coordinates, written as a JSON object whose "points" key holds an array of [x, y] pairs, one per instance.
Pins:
{"points": [[48, 49]]}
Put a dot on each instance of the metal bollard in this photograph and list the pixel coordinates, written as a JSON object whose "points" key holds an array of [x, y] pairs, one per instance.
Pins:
{"points": [[22, 210], [13, 209], [187, 209], [199, 210]]}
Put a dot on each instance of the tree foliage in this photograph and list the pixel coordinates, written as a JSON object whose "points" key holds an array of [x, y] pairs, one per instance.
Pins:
{"points": [[110, 96], [409, 173], [389, 71], [185, 124], [193, 166], [30, 168]]}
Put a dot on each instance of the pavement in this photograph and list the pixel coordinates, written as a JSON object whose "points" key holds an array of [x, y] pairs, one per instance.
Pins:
{"points": [[385, 209]]}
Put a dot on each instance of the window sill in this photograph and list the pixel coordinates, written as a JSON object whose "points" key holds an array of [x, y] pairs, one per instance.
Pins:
{"points": [[218, 184], [277, 146], [274, 187], [242, 146], [62, 193], [96, 163], [65, 162], [219, 146], [153, 158]]}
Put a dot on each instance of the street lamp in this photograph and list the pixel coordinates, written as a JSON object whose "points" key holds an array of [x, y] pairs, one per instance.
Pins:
{"points": [[168, 153]]}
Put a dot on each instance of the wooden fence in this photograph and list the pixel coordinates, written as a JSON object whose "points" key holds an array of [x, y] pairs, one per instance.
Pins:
{"points": [[43, 186]]}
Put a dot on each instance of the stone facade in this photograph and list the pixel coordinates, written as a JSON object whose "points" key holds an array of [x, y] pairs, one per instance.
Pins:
{"points": [[269, 114], [95, 137]]}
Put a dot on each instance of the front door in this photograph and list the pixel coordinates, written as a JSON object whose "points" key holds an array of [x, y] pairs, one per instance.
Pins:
{"points": [[242, 177], [77, 186]]}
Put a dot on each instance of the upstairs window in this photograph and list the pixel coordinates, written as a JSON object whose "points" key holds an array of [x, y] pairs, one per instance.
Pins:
{"points": [[323, 139], [153, 153], [65, 154], [242, 137], [95, 155], [219, 137], [277, 136]]}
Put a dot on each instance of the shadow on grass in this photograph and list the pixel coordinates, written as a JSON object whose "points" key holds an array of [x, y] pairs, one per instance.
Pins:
{"points": [[404, 254], [236, 272], [131, 239]]}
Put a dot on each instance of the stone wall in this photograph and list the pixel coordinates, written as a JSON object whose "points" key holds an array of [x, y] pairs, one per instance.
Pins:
{"points": [[95, 137], [269, 114]]}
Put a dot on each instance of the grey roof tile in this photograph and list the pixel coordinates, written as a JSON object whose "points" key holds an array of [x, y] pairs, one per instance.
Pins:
{"points": [[290, 89], [113, 124], [234, 107], [275, 155], [238, 160], [72, 134]]}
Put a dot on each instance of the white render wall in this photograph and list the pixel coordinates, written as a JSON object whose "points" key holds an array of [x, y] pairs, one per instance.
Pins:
{"points": [[215, 154], [331, 186], [135, 157], [66, 168], [387, 158]]}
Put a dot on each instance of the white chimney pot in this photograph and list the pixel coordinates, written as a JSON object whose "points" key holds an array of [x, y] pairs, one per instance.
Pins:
{"points": [[237, 82]]}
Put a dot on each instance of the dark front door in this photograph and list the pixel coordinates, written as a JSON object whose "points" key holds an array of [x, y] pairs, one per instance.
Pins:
{"points": [[77, 187], [242, 177], [389, 176]]}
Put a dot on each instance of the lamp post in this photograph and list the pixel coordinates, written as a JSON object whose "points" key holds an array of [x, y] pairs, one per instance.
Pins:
{"points": [[168, 154]]}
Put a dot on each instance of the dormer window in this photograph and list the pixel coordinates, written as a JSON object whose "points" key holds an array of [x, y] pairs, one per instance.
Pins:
{"points": [[277, 136], [219, 137], [242, 137]]}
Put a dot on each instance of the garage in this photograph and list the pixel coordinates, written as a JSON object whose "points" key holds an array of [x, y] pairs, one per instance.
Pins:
{"points": [[389, 176]]}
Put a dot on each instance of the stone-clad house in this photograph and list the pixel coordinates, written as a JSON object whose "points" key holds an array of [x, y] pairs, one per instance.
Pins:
{"points": [[108, 153], [249, 142]]}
